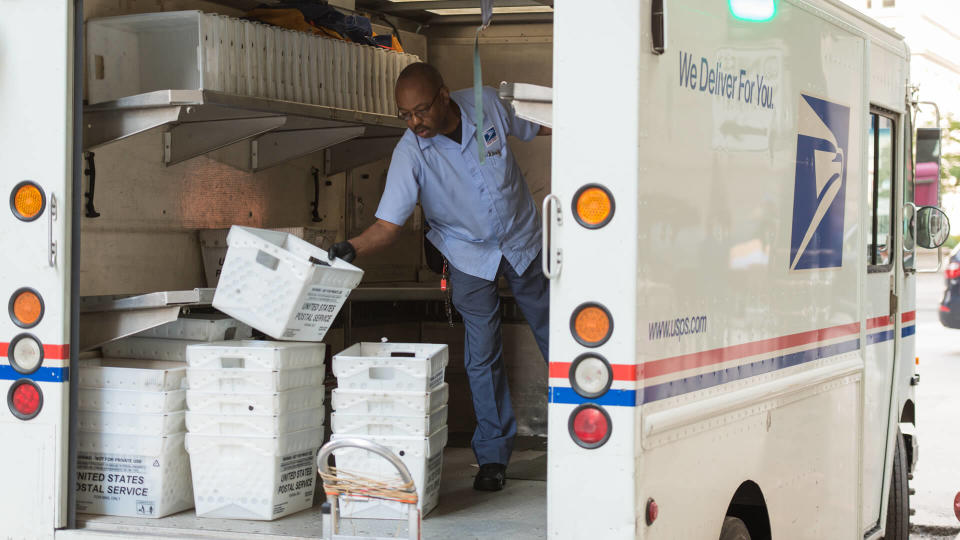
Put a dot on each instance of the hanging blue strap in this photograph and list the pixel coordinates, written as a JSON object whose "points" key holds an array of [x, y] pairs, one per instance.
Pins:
{"points": [[478, 96], [486, 10]]}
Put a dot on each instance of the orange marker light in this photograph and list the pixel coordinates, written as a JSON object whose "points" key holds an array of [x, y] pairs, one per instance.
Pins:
{"points": [[591, 324], [593, 206], [27, 201], [26, 308]]}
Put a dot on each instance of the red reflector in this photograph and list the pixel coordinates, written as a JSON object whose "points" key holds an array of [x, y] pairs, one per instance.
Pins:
{"points": [[589, 426], [652, 511], [944, 308], [26, 399], [953, 270]]}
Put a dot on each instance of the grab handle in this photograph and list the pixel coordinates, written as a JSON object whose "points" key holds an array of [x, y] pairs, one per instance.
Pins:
{"points": [[52, 243], [548, 256], [913, 228]]}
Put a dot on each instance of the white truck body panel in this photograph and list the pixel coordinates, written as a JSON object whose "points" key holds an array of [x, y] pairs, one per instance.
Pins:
{"points": [[740, 352], [752, 348], [36, 104]]}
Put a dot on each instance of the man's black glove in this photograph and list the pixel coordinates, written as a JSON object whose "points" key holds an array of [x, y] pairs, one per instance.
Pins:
{"points": [[343, 250]]}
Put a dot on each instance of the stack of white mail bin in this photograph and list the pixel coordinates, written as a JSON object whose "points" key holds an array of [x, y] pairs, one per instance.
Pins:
{"points": [[392, 394], [131, 459], [255, 424], [256, 408]]}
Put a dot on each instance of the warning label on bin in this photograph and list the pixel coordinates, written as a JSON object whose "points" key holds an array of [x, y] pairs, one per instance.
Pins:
{"points": [[297, 476], [317, 311], [117, 484]]}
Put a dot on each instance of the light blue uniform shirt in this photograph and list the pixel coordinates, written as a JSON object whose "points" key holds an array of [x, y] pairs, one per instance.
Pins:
{"points": [[477, 213]]}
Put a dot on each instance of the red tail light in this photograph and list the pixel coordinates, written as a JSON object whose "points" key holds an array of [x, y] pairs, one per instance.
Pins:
{"points": [[590, 426], [953, 270], [956, 505], [944, 308], [653, 511], [25, 399]]}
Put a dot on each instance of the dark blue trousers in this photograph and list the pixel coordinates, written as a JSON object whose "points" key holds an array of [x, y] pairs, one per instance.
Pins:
{"points": [[478, 302]]}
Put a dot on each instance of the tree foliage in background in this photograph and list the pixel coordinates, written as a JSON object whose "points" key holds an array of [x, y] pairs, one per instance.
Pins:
{"points": [[950, 158]]}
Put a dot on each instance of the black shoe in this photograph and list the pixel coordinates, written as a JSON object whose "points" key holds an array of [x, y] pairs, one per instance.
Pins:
{"points": [[492, 477]]}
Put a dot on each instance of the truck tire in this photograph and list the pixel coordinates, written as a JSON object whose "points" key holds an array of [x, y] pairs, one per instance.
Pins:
{"points": [[734, 529], [898, 504]]}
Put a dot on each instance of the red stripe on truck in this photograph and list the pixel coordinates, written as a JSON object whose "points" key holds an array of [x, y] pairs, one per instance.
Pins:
{"points": [[684, 362], [51, 352]]}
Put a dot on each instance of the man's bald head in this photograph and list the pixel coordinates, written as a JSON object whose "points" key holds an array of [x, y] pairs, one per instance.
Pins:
{"points": [[420, 73], [423, 101]]}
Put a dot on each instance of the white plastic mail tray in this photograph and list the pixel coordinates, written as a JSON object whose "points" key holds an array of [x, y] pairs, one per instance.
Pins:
{"points": [[131, 401], [377, 402], [253, 380], [200, 327], [173, 350], [245, 425], [388, 426], [130, 475], [391, 366], [253, 355], [131, 374], [260, 478], [423, 458], [281, 285], [150, 424], [256, 404]]}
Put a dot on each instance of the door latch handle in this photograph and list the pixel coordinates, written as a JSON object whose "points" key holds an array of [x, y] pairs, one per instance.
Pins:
{"points": [[550, 258], [53, 243]]}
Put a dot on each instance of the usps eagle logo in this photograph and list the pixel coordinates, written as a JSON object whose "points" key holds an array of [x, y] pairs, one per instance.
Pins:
{"points": [[820, 185]]}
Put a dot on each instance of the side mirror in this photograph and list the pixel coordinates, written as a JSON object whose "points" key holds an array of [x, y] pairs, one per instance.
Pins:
{"points": [[932, 226], [927, 172]]}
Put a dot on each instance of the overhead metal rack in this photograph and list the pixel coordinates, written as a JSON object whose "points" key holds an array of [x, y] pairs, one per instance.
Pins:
{"points": [[106, 318], [248, 133]]}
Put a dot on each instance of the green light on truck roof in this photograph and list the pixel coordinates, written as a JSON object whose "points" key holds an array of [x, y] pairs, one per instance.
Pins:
{"points": [[753, 10]]}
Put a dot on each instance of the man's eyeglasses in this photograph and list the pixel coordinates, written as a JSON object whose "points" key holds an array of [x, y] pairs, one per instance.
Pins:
{"points": [[419, 112]]}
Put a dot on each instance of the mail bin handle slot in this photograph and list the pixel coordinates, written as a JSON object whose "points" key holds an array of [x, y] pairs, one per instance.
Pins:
{"points": [[381, 373], [267, 260], [232, 362]]}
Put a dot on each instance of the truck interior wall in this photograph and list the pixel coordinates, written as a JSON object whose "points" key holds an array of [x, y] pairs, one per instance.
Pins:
{"points": [[146, 236]]}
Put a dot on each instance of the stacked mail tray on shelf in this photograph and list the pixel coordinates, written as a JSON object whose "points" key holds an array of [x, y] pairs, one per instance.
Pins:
{"points": [[131, 459], [192, 50], [130, 455], [255, 424], [392, 394]]}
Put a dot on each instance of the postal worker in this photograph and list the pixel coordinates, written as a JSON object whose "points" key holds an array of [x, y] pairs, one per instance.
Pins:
{"points": [[483, 220]]}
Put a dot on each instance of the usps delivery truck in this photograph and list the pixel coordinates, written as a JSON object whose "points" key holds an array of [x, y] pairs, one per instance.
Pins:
{"points": [[730, 241]]}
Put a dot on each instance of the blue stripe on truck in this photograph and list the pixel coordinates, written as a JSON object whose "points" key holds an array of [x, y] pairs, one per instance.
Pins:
{"points": [[622, 398], [49, 374]]}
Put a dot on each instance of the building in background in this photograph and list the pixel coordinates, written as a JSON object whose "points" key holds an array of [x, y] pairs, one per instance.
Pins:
{"points": [[932, 30]]}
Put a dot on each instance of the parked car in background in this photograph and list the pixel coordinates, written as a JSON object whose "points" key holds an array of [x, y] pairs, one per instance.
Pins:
{"points": [[950, 305]]}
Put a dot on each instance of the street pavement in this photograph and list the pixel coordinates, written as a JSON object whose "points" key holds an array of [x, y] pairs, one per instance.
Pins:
{"points": [[937, 476]]}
